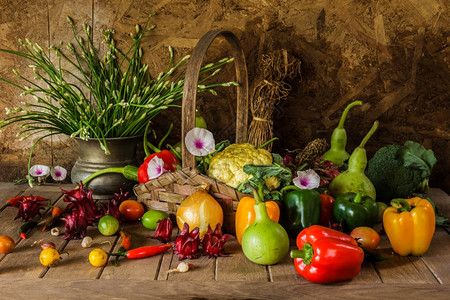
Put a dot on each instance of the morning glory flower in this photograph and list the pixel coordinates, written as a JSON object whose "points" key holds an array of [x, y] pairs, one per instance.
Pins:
{"points": [[58, 173], [307, 180], [155, 168], [200, 142], [39, 171]]}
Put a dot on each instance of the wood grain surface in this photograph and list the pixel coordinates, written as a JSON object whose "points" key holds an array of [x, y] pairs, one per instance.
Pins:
{"points": [[233, 276]]}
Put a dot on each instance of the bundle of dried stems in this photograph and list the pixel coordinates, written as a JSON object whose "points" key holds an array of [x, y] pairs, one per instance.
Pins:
{"points": [[268, 89]]}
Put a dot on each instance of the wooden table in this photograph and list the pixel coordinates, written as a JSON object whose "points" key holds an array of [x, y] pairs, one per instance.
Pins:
{"points": [[22, 276]]}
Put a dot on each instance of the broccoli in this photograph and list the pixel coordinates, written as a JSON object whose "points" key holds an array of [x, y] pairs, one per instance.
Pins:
{"points": [[399, 171]]}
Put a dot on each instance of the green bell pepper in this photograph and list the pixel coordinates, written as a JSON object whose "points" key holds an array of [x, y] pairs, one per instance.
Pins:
{"points": [[355, 210], [300, 209]]}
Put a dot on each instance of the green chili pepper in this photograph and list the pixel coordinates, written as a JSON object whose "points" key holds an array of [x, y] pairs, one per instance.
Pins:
{"points": [[355, 210], [300, 209], [337, 153]]}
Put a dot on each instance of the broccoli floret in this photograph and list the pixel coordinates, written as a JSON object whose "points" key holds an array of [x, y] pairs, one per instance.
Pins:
{"points": [[394, 176]]}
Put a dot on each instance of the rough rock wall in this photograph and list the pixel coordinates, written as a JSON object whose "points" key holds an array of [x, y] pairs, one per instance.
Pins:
{"points": [[392, 55]]}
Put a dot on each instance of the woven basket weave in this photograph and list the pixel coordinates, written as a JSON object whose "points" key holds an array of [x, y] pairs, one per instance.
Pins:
{"points": [[168, 191]]}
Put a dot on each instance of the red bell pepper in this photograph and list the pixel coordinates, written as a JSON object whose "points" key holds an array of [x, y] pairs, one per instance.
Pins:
{"points": [[326, 210], [326, 255], [169, 159]]}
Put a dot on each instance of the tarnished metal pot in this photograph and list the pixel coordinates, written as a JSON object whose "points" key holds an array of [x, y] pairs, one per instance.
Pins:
{"points": [[92, 159]]}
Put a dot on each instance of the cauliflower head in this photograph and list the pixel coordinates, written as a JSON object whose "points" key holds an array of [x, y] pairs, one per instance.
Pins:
{"points": [[227, 166]]}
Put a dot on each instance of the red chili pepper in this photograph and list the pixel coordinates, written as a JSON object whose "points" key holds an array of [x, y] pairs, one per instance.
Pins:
{"points": [[326, 211], [143, 252], [56, 212], [169, 159], [326, 255], [14, 201]]}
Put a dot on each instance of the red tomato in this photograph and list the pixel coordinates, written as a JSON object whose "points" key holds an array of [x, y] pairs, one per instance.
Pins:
{"points": [[7, 244], [132, 210], [367, 237]]}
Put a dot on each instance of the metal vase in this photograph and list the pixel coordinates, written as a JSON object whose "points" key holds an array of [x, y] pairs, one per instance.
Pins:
{"points": [[92, 159]]}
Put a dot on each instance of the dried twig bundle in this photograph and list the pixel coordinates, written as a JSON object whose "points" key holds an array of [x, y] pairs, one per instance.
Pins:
{"points": [[268, 89]]}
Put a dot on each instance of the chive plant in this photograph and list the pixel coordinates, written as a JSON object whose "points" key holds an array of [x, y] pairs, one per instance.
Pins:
{"points": [[97, 97]]}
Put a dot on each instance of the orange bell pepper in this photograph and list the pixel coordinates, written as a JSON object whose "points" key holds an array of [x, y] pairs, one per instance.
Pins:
{"points": [[409, 225], [245, 214]]}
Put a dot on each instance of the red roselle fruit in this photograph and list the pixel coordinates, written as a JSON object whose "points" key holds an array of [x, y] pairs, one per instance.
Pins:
{"points": [[214, 241], [163, 231], [29, 208], [187, 243]]}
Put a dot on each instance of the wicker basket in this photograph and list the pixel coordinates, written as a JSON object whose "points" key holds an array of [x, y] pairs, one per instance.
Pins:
{"points": [[168, 191]]}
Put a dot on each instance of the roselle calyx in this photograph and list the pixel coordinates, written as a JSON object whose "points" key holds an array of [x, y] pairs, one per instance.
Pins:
{"points": [[163, 231], [80, 213], [29, 207], [214, 241], [187, 243]]}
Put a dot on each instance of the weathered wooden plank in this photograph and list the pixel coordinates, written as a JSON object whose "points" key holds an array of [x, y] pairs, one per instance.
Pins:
{"points": [[9, 190], [135, 268], [76, 263], [145, 289], [437, 257], [285, 270], [403, 269], [237, 267]]}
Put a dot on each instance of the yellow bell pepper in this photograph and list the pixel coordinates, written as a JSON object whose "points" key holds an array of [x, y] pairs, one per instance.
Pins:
{"points": [[409, 225]]}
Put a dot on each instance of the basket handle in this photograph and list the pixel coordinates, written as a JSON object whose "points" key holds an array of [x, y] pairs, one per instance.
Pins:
{"points": [[190, 89]]}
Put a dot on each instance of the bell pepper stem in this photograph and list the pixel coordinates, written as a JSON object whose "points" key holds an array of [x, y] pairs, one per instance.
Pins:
{"points": [[344, 114], [358, 198], [401, 204], [306, 253]]}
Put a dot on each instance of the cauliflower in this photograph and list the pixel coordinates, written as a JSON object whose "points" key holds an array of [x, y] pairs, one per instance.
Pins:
{"points": [[227, 166]]}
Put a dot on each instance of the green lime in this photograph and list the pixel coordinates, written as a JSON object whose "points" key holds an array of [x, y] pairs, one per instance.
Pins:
{"points": [[150, 218], [108, 225]]}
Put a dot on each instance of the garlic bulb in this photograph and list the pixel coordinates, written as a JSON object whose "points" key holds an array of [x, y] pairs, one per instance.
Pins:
{"points": [[86, 242]]}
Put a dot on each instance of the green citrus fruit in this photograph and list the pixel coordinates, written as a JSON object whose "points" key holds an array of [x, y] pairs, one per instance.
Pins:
{"points": [[150, 218], [108, 225]]}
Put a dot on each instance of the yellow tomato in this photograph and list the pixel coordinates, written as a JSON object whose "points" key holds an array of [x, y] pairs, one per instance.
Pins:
{"points": [[98, 257], [49, 257], [199, 209]]}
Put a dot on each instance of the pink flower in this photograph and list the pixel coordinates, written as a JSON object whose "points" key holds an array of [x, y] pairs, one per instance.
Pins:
{"points": [[155, 168], [307, 180], [58, 173], [200, 142]]}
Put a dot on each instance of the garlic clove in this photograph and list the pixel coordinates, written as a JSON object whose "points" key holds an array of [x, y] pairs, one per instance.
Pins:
{"points": [[55, 231], [86, 242]]}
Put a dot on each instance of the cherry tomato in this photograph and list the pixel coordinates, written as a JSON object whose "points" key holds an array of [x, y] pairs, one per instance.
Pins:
{"points": [[98, 257], [108, 225], [49, 257], [132, 210], [150, 218], [367, 237], [7, 244]]}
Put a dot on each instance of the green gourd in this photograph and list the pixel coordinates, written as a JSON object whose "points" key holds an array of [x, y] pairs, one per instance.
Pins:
{"points": [[264, 242], [353, 179], [337, 153]]}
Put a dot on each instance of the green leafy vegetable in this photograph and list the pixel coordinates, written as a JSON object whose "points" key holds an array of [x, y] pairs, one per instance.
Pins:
{"points": [[260, 173], [414, 155]]}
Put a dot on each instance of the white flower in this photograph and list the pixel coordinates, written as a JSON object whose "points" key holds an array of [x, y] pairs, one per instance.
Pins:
{"points": [[155, 168], [199, 142], [39, 171], [58, 173], [307, 180]]}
